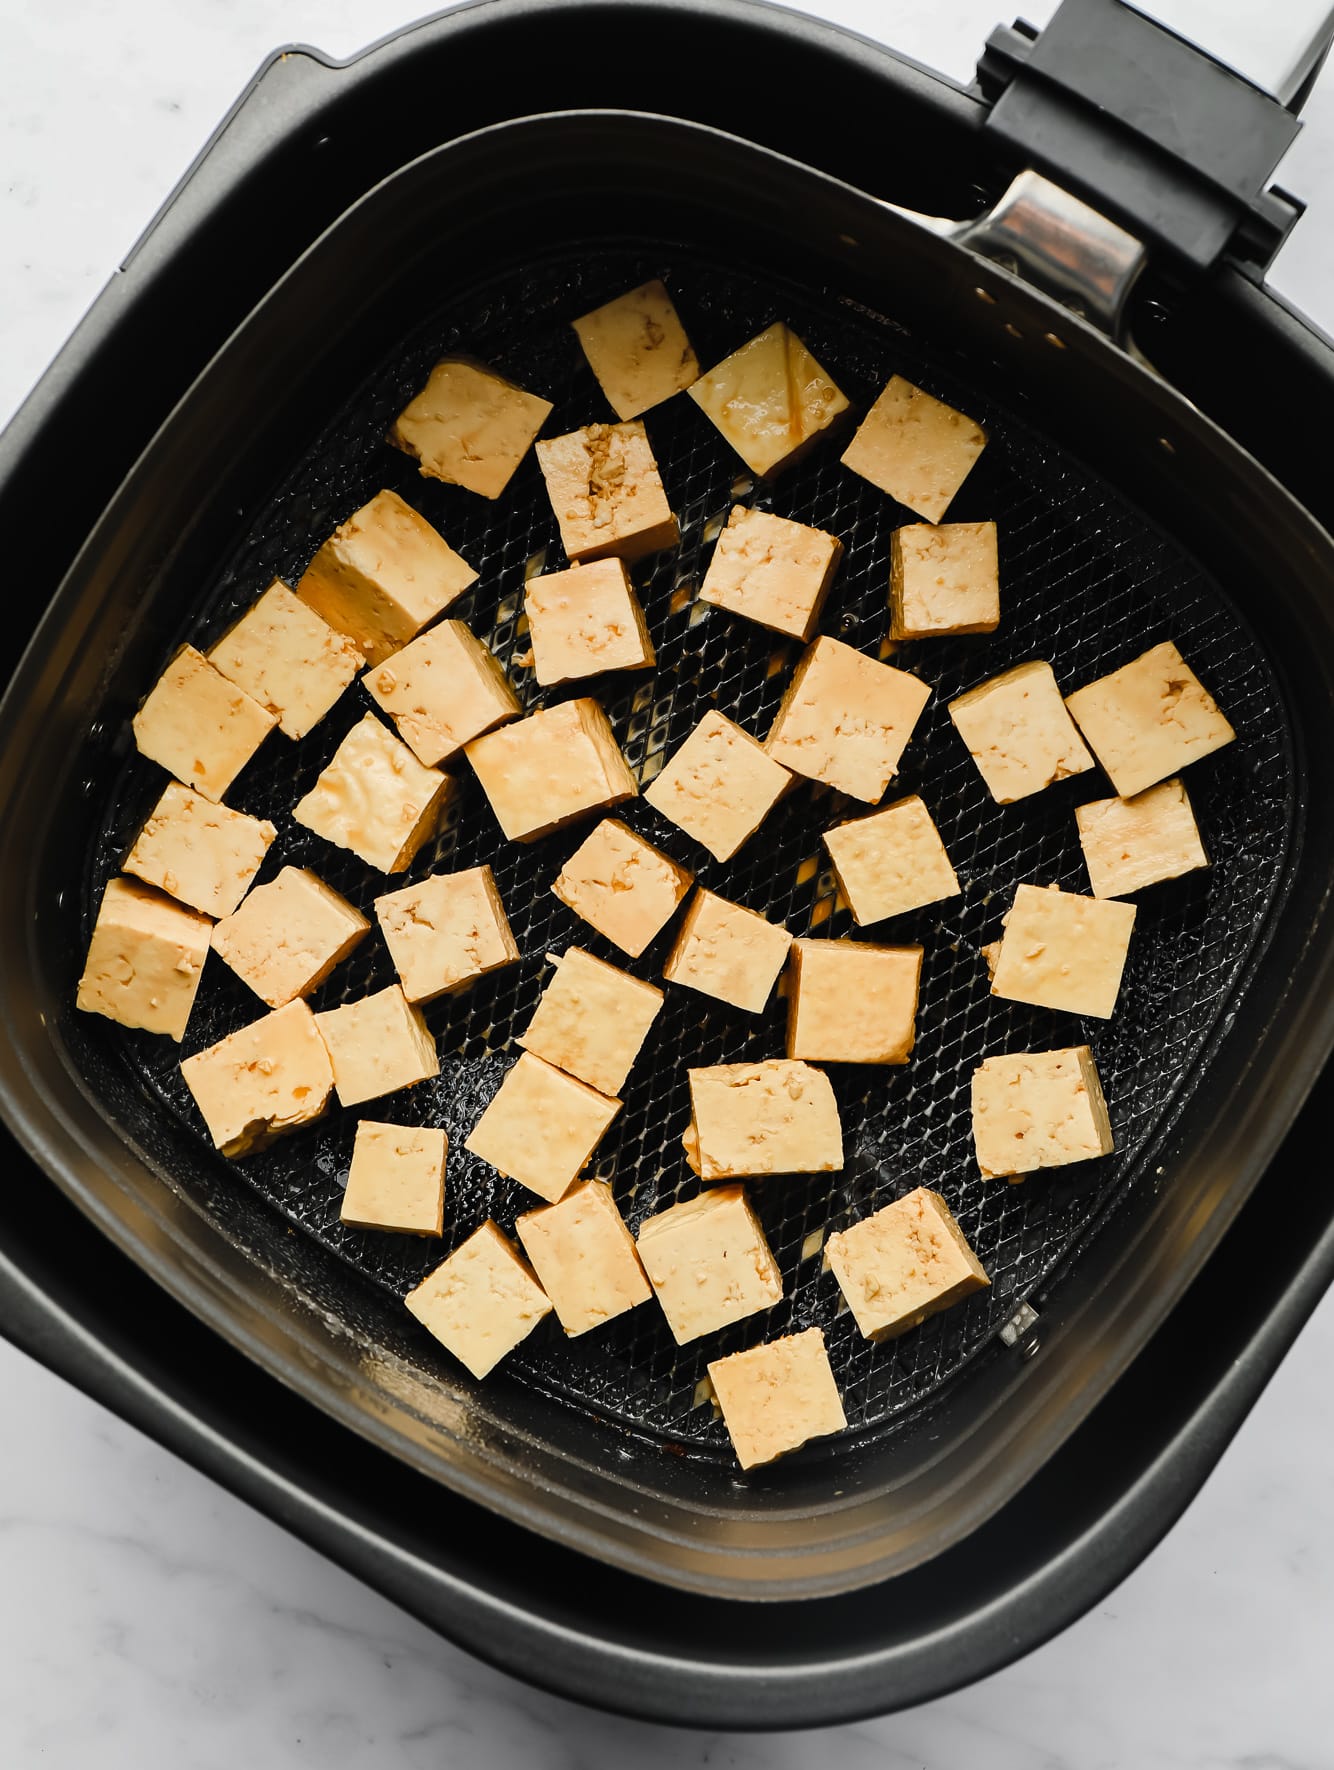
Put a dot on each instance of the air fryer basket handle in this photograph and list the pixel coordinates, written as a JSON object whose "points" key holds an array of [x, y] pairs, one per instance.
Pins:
{"points": [[1279, 49]]}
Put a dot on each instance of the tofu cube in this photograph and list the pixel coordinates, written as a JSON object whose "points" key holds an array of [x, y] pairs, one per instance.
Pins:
{"points": [[1038, 1109], [622, 885], [481, 1302], [145, 959], [906, 1262], [1149, 719], [551, 768], [891, 862], [586, 621], [638, 349], [592, 1020], [442, 691], [1060, 950], [770, 399], [203, 853], [774, 1117], [288, 659], [288, 936], [376, 799], [199, 726], [777, 1397], [584, 1257], [607, 494], [1019, 733], [850, 1002], [397, 1179], [377, 1046], [541, 1127], [268, 1078], [772, 571], [943, 580], [469, 426], [719, 786], [709, 1263], [916, 448], [445, 932], [846, 719], [1131, 843], [728, 952]]}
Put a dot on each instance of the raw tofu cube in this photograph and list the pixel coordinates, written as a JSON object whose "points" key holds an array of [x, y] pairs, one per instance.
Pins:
{"points": [[397, 1179], [606, 491], [584, 1257], [442, 691], [638, 349], [1018, 732], [592, 1020], [270, 1077], [728, 952], [846, 719], [719, 786], [445, 932], [891, 862], [771, 400], [709, 1263], [377, 1046], [481, 1302], [849, 1002], [470, 426], [585, 621], [777, 1397], [622, 886], [145, 959], [547, 770], [376, 799], [541, 1127], [287, 658], [199, 726], [916, 448], [288, 936], [1131, 843], [773, 571], [201, 852], [904, 1263], [943, 580], [1060, 950], [774, 1117], [1149, 719], [1038, 1109]]}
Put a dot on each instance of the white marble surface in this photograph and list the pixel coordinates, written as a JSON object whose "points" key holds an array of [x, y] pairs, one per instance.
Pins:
{"points": [[148, 1619]]}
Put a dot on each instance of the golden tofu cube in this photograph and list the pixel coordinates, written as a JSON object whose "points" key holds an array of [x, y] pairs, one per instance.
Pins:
{"points": [[376, 799], [709, 1263], [268, 1078], [846, 719], [1149, 719], [850, 1002], [445, 932], [1060, 950], [943, 580], [1019, 733], [288, 659], [377, 1045], [1131, 843], [719, 786], [638, 349], [622, 885], [584, 1257], [545, 771], [1038, 1109], [397, 1179], [728, 952], [774, 1117], [288, 936], [481, 1302], [906, 1262], [199, 726], [777, 1397], [145, 959], [442, 691], [201, 852], [772, 571], [607, 494], [585, 621], [916, 448], [541, 1127], [469, 426], [770, 399], [891, 862], [592, 1020]]}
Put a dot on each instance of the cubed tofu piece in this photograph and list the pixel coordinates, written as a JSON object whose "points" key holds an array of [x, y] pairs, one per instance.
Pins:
{"points": [[1060, 950], [288, 936], [772, 571], [541, 1127], [1131, 843], [585, 621], [906, 1262], [442, 691], [943, 580], [268, 1078], [203, 853], [846, 719], [199, 726], [376, 799], [607, 494], [1038, 1109], [377, 1045], [891, 862], [584, 1257], [481, 1302], [397, 1179], [638, 349], [445, 932], [145, 959], [771, 400], [709, 1263], [916, 448], [774, 1117], [622, 885], [1149, 719], [470, 426], [850, 1002], [728, 952], [1019, 733], [719, 786], [551, 768], [287, 658], [777, 1397], [592, 1020]]}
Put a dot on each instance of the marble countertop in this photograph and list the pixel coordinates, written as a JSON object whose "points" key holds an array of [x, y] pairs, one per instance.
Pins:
{"points": [[147, 1618]]}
